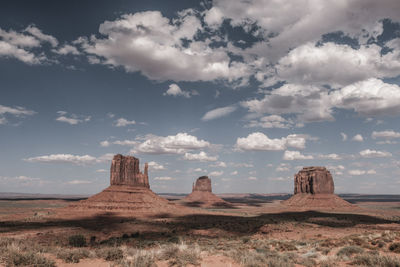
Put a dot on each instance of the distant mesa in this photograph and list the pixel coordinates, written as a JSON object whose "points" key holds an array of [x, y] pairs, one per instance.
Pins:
{"points": [[202, 195], [314, 188], [129, 190]]}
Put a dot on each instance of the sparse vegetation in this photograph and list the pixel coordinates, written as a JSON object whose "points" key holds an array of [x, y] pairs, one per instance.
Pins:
{"points": [[77, 241], [72, 255], [395, 247], [375, 260], [349, 251]]}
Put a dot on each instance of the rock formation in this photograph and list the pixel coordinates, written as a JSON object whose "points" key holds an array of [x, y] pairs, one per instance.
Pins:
{"points": [[314, 188], [129, 190], [125, 171], [202, 195], [313, 180]]}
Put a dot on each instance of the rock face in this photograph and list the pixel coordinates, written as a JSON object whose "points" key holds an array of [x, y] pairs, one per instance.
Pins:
{"points": [[125, 171], [202, 195], [203, 183], [313, 180], [314, 189], [129, 191]]}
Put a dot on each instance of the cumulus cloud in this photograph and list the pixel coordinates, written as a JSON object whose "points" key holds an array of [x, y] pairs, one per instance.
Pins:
{"points": [[156, 166], [201, 156], [271, 121], [69, 158], [180, 143], [260, 142], [295, 155], [67, 50], [175, 90], [218, 113], [369, 153], [388, 134], [215, 173], [77, 182], [358, 138], [283, 167], [219, 164], [150, 43], [122, 122], [72, 119], [361, 172]]}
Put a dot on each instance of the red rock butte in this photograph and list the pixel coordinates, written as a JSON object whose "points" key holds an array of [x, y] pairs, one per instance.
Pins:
{"points": [[314, 188], [129, 190], [202, 195]]}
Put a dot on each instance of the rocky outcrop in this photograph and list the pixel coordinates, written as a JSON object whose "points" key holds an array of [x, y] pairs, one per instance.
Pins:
{"points": [[314, 189], [129, 190], [202, 195], [125, 171], [313, 180], [203, 183]]}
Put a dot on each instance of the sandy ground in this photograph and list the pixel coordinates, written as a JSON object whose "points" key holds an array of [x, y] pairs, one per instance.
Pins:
{"points": [[49, 220]]}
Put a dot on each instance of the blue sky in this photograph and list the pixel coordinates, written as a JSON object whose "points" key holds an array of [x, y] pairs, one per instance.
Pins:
{"points": [[247, 92]]}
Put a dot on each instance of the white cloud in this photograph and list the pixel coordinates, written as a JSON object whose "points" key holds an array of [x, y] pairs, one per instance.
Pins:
{"points": [[388, 134], [368, 153], [371, 97], [155, 166], [152, 44], [218, 113], [77, 182], [173, 144], [122, 122], [219, 164], [358, 138], [107, 143], [72, 119], [41, 36], [260, 142], [164, 178], [18, 112], [69, 158], [361, 172], [20, 45], [175, 90], [295, 155], [215, 173], [102, 171], [252, 178], [199, 170], [271, 121], [330, 156], [234, 173], [66, 50], [344, 136], [202, 156], [283, 167]]}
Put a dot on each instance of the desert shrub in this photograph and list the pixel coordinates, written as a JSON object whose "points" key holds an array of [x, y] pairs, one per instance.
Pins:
{"points": [[286, 246], [77, 241], [260, 258], [139, 258], [328, 263], [395, 247], [19, 258], [308, 262], [375, 260], [180, 255], [110, 253], [72, 255], [349, 251]]}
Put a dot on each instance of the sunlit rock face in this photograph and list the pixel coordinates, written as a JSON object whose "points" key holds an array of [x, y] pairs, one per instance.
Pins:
{"points": [[313, 180], [125, 171], [203, 183]]}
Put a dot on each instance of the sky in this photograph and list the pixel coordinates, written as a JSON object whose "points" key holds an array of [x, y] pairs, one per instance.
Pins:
{"points": [[247, 92]]}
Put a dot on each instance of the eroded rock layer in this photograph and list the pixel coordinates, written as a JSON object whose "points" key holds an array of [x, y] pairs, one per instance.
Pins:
{"points": [[125, 171], [313, 180], [202, 195]]}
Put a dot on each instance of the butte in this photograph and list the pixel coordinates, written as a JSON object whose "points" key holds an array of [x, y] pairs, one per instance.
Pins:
{"points": [[202, 195], [129, 190], [314, 188]]}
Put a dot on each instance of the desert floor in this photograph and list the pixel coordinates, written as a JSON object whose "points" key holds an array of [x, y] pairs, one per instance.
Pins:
{"points": [[258, 231]]}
